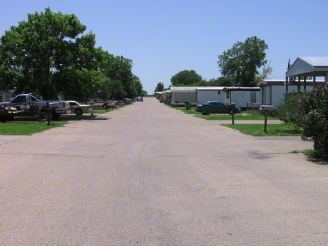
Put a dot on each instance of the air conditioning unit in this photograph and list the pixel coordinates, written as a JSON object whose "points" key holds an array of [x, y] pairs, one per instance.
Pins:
{"points": [[266, 107]]}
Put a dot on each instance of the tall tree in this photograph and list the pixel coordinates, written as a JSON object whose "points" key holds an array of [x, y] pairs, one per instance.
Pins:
{"points": [[137, 86], [186, 77], [266, 72], [221, 81], [144, 93], [119, 68], [159, 87], [37, 52], [243, 60]]}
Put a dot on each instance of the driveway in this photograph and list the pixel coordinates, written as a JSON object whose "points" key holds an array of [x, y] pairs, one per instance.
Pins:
{"points": [[148, 174]]}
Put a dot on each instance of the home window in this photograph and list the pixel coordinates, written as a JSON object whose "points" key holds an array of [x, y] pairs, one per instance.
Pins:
{"points": [[253, 97], [263, 95], [227, 95]]}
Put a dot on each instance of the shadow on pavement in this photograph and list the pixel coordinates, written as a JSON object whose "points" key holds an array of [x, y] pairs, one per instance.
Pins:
{"points": [[321, 161]]}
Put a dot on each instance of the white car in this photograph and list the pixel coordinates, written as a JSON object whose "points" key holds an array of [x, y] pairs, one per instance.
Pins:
{"points": [[79, 108]]}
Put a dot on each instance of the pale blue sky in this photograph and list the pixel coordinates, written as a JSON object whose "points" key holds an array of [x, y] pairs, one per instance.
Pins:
{"points": [[163, 37]]}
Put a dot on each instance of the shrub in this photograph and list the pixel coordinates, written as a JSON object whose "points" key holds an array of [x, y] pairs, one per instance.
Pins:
{"points": [[315, 154], [308, 111], [313, 117], [287, 110]]}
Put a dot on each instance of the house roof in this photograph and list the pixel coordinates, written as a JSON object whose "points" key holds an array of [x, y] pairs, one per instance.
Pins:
{"points": [[308, 65], [183, 88], [241, 89], [214, 88], [210, 88], [268, 82]]}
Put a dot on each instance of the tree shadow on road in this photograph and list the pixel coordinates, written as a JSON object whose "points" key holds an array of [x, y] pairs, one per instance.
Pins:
{"points": [[318, 161]]}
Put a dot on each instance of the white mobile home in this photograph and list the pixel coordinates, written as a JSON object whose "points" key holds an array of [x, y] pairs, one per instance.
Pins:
{"points": [[303, 75], [166, 95], [273, 91], [242, 96], [204, 94], [159, 95], [179, 95]]}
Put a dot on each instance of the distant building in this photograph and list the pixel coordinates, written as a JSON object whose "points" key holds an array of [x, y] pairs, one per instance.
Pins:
{"points": [[5, 96]]}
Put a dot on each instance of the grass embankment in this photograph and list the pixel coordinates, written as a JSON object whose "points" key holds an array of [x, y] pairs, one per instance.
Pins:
{"points": [[26, 127], [272, 129], [244, 115]]}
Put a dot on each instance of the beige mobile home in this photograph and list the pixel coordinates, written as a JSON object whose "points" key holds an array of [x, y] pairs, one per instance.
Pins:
{"points": [[183, 94]]}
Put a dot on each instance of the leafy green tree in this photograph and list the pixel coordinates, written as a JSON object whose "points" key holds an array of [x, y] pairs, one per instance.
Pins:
{"points": [[266, 72], [119, 68], [144, 93], [159, 87], [37, 52], [186, 77], [221, 81], [116, 89], [137, 86], [243, 60]]}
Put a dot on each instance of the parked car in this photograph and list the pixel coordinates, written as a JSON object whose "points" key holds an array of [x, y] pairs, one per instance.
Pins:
{"points": [[79, 108], [7, 113], [109, 104], [139, 99], [217, 107], [127, 100], [31, 105]]}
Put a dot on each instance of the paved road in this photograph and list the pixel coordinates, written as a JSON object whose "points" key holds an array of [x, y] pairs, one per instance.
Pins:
{"points": [[148, 174]]}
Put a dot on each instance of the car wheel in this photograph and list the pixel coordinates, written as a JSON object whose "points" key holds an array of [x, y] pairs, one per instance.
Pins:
{"points": [[78, 112], [230, 111]]}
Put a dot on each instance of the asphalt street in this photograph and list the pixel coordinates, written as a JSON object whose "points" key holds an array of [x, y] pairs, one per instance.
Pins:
{"points": [[148, 174]]}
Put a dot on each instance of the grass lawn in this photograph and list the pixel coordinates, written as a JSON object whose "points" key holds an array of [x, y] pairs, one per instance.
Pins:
{"points": [[191, 111], [244, 115], [26, 127], [272, 130], [101, 111]]}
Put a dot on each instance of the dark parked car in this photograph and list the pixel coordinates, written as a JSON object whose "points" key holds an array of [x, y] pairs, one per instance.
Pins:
{"points": [[127, 100], [217, 107]]}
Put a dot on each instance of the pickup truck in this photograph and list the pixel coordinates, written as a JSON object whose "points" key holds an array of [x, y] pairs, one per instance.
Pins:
{"points": [[29, 105]]}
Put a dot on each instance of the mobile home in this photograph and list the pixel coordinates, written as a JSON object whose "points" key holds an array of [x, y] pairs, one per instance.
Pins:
{"points": [[241, 96], [179, 95], [204, 94], [273, 91]]}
